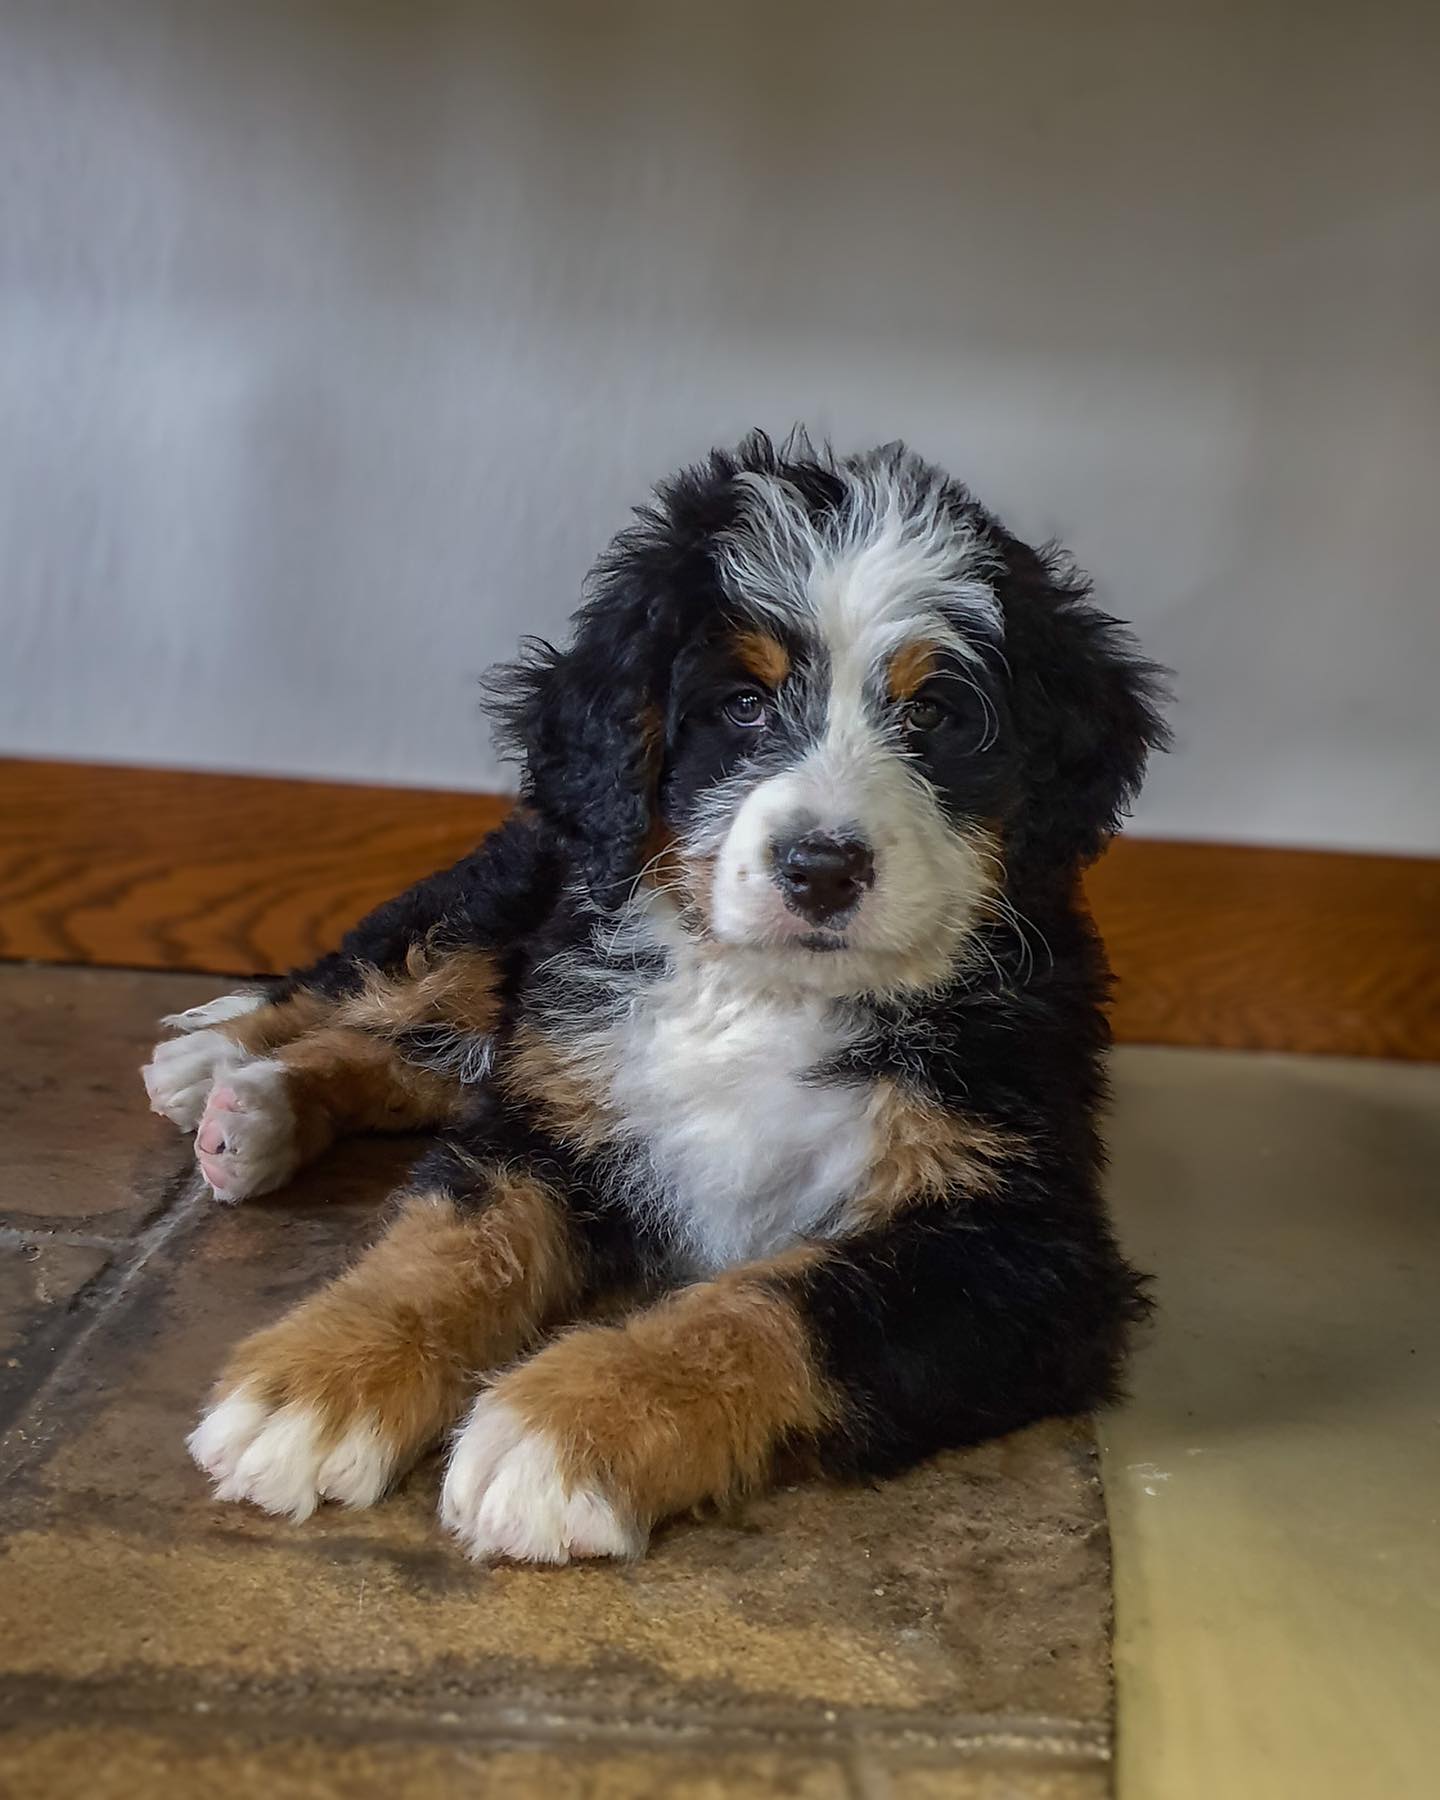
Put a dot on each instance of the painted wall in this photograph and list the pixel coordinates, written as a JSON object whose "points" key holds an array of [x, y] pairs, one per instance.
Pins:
{"points": [[336, 338]]}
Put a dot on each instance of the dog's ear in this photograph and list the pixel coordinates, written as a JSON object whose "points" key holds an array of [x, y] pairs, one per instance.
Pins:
{"points": [[587, 725], [1086, 708]]}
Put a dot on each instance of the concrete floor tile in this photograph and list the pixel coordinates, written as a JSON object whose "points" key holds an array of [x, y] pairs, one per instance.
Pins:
{"points": [[39, 1284], [79, 1147], [965, 1781], [128, 1763]]}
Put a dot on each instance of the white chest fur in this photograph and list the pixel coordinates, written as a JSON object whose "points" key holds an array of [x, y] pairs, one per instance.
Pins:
{"points": [[708, 1080]]}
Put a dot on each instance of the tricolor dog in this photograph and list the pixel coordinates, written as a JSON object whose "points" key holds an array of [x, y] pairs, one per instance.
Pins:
{"points": [[771, 1019]]}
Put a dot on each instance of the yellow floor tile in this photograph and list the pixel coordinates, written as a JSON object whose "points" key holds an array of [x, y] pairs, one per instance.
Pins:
{"points": [[1274, 1484]]}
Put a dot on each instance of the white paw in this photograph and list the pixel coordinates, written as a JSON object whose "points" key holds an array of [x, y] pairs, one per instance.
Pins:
{"points": [[280, 1458], [214, 1012], [246, 1141], [504, 1495], [181, 1071]]}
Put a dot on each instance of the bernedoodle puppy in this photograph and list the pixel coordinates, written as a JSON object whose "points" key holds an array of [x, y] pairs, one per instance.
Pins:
{"points": [[773, 1013]]}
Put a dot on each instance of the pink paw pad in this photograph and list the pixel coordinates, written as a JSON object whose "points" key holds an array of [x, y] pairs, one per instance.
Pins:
{"points": [[211, 1139], [246, 1141]]}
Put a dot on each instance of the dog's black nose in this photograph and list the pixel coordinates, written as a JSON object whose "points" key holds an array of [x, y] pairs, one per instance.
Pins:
{"points": [[823, 877]]}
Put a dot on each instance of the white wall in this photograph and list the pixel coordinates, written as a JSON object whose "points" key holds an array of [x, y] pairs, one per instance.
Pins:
{"points": [[336, 338]]}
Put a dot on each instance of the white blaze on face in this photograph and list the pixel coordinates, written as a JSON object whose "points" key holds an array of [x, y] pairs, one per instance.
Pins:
{"points": [[892, 568]]}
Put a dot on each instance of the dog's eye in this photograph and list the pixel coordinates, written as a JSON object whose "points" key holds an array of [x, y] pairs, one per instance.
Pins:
{"points": [[921, 715], [746, 709]]}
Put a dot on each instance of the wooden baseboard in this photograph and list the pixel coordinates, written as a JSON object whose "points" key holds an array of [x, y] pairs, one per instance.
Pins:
{"points": [[1329, 952], [1213, 944]]}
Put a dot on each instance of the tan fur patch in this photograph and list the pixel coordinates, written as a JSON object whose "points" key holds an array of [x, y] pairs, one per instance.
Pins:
{"points": [[911, 667], [699, 889], [924, 1152], [451, 987], [281, 1022], [567, 1099], [664, 865], [689, 1401], [344, 1080], [689, 880], [762, 656], [399, 1340]]}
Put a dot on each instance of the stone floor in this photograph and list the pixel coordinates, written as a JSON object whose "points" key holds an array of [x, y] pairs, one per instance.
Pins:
{"points": [[941, 1635], [1272, 1488]]}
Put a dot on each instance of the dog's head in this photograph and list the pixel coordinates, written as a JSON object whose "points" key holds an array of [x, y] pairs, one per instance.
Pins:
{"points": [[824, 706]]}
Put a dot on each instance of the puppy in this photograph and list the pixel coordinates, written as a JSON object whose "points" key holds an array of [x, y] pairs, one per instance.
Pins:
{"points": [[773, 1008]]}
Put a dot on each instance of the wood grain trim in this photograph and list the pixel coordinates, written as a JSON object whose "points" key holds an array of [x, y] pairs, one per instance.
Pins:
{"points": [[1217, 944], [1330, 952], [169, 869]]}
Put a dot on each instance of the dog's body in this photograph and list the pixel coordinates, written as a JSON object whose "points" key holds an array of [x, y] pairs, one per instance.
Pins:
{"points": [[773, 1007]]}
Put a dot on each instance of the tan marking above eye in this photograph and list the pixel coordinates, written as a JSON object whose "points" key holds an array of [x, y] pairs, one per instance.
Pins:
{"points": [[910, 668], [762, 656]]}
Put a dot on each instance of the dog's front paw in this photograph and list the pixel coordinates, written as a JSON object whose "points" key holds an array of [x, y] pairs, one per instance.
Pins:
{"points": [[181, 1072], [330, 1403], [182, 1069], [288, 1457], [246, 1144], [508, 1493]]}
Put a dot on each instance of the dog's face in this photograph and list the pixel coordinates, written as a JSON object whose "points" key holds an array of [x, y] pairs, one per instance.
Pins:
{"points": [[836, 746], [793, 716]]}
